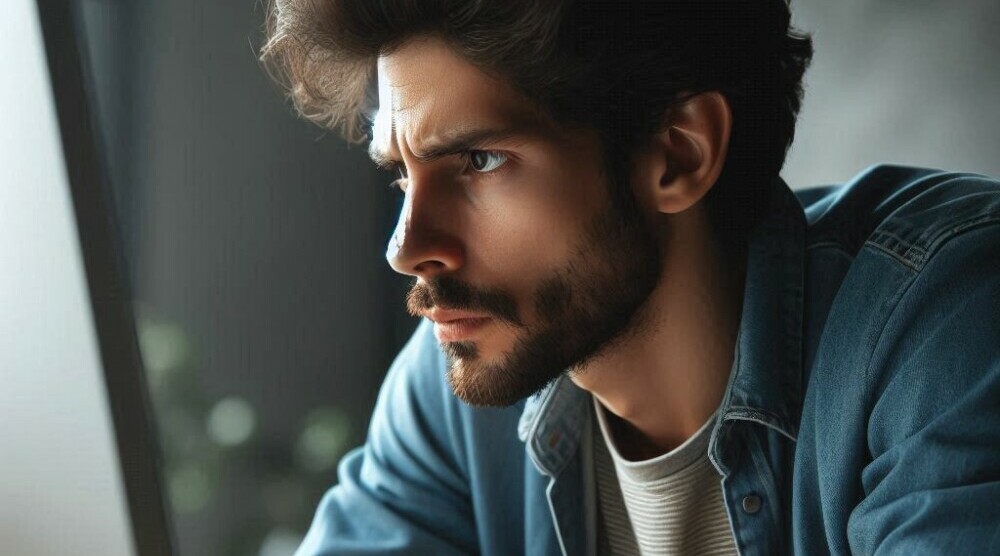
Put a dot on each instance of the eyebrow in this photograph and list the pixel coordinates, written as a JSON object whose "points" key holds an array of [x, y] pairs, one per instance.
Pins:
{"points": [[456, 144]]}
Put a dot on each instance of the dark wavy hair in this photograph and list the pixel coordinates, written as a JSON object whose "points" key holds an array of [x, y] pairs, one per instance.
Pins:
{"points": [[617, 67]]}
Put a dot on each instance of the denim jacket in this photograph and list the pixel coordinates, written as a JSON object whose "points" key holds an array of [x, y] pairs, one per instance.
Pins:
{"points": [[862, 415]]}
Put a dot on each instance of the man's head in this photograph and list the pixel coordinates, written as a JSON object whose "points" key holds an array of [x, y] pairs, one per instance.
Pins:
{"points": [[547, 150]]}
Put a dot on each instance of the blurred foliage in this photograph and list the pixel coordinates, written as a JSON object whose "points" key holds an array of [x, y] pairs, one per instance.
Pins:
{"points": [[203, 439]]}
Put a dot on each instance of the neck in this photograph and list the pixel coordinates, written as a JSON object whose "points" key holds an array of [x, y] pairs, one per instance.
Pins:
{"points": [[662, 385]]}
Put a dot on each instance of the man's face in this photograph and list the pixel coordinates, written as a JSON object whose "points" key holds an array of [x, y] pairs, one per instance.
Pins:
{"points": [[508, 227]]}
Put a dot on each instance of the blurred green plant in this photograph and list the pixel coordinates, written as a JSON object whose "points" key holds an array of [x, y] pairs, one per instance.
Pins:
{"points": [[323, 440], [203, 439]]}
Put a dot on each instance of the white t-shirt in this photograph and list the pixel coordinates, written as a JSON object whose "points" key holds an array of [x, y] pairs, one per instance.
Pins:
{"points": [[670, 504]]}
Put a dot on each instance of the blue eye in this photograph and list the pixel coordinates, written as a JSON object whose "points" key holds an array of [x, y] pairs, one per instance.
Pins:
{"points": [[486, 161]]}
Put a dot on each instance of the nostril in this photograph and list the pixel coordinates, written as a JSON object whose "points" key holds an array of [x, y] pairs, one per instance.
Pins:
{"points": [[429, 267]]}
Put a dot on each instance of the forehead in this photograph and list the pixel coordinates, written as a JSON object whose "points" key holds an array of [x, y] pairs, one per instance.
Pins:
{"points": [[427, 92]]}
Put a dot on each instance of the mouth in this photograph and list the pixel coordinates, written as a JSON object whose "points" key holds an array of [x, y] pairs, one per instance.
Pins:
{"points": [[459, 329], [454, 326]]}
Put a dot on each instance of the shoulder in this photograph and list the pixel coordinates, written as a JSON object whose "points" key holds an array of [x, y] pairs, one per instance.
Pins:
{"points": [[905, 212], [915, 289], [911, 333]]}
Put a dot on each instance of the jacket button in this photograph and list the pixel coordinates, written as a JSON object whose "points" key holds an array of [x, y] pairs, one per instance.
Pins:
{"points": [[751, 504]]}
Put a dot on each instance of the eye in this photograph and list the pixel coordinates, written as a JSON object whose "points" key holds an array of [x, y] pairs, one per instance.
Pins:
{"points": [[486, 161]]}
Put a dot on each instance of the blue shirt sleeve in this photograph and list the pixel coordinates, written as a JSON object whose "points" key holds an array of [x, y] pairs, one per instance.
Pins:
{"points": [[932, 483], [406, 490]]}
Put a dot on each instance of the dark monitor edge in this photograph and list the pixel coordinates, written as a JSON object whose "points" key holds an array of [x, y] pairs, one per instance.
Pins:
{"points": [[110, 294]]}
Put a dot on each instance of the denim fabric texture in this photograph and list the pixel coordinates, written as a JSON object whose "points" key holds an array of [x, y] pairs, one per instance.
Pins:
{"points": [[862, 415]]}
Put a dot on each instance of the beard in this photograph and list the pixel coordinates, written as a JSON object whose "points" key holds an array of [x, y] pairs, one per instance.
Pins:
{"points": [[583, 309]]}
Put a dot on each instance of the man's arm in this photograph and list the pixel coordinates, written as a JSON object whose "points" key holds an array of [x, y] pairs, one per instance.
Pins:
{"points": [[933, 484], [406, 490]]}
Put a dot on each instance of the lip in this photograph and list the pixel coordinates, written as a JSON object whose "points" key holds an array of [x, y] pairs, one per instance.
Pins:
{"points": [[459, 329], [454, 326], [442, 316]]}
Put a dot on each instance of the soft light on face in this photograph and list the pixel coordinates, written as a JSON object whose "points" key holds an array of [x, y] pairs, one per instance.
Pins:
{"points": [[505, 217], [382, 142], [382, 125]]}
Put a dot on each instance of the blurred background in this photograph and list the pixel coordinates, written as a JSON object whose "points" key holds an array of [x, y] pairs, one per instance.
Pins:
{"points": [[267, 314]]}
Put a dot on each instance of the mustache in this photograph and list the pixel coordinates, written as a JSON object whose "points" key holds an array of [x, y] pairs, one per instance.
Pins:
{"points": [[450, 293]]}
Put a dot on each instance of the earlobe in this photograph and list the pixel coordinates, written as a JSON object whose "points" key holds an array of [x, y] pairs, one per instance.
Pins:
{"points": [[692, 151]]}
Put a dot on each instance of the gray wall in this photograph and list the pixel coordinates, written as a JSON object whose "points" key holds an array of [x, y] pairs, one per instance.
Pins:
{"points": [[911, 82]]}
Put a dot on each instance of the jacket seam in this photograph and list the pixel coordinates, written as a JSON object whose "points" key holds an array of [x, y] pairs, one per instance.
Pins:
{"points": [[957, 231], [892, 254], [924, 253], [761, 417]]}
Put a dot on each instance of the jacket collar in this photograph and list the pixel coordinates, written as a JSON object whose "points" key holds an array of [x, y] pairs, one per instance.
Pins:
{"points": [[766, 382], [765, 385]]}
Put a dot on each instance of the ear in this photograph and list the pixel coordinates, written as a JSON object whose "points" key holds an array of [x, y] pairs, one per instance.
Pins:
{"points": [[682, 163]]}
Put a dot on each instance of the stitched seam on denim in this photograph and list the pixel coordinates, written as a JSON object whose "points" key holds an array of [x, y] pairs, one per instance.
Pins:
{"points": [[892, 254], [763, 417], [886, 233], [916, 256], [958, 231], [931, 234], [905, 252]]}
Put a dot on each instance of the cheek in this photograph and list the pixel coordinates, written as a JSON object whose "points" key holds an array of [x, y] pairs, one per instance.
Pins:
{"points": [[528, 225]]}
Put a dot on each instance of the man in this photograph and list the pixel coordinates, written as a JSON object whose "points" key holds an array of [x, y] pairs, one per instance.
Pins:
{"points": [[636, 339]]}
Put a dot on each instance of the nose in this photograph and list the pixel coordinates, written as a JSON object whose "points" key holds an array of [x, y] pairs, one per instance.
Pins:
{"points": [[424, 242]]}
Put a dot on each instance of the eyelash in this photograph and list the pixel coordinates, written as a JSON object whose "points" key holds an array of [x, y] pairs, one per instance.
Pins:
{"points": [[400, 168]]}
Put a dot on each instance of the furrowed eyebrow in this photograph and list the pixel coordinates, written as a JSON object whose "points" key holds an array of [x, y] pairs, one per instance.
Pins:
{"points": [[457, 144]]}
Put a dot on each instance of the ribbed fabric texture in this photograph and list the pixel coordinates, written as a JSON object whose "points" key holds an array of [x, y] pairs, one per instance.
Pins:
{"points": [[671, 504]]}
